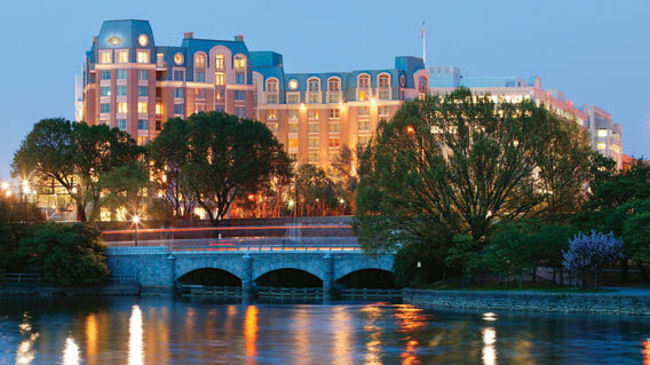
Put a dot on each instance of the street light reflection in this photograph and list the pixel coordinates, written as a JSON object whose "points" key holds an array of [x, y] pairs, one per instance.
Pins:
{"points": [[489, 351], [646, 351], [91, 339], [342, 336], [25, 351], [250, 334], [489, 316], [135, 336], [373, 346], [71, 352]]}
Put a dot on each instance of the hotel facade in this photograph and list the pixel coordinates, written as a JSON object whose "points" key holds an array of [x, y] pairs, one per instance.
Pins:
{"points": [[131, 83]]}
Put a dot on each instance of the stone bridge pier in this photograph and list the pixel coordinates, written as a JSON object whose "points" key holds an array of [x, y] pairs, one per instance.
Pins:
{"points": [[157, 269]]}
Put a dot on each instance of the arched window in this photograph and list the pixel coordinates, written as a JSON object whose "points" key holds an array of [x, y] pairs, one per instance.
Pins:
{"points": [[423, 85], [240, 62], [313, 84], [363, 81], [272, 85], [199, 60], [219, 62], [334, 84], [384, 80]]}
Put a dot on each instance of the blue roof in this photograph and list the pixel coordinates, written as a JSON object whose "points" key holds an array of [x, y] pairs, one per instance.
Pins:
{"points": [[124, 34]]}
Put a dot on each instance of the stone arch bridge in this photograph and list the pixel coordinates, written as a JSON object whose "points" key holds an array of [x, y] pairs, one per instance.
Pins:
{"points": [[158, 268]]}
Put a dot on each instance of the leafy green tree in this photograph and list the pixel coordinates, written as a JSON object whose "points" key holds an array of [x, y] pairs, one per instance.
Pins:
{"points": [[315, 190], [125, 187], [17, 220], [74, 155], [462, 162], [66, 255], [344, 173], [227, 157], [636, 237]]}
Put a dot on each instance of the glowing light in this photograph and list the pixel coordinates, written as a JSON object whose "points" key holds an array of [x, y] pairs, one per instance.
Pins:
{"points": [[143, 40], [489, 316], [373, 100], [136, 219], [71, 352], [8, 193], [74, 190], [5, 185], [250, 333], [25, 350], [135, 336], [342, 201], [293, 84], [91, 338], [515, 143], [160, 194], [646, 351], [489, 351], [251, 197], [410, 130], [291, 203]]}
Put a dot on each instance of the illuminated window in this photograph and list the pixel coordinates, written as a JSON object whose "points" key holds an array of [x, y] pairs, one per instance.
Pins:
{"points": [[272, 99], [293, 142], [106, 57], [362, 95], [312, 114], [160, 59], [273, 127], [199, 60], [293, 98], [363, 141], [363, 81], [293, 127], [294, 114], [123, 56], [313, 157], [334, 98], [335, 127], [384, 95], [219, 62], [142, 140], [313, 127], [313, 98], [121, 107], [335, 113], [240, 62], [334, 84], [602, 132], [157, 108], [364, 111], [217, 95], [143, 107], [602, 146], [313, 142], [121, 124], [364, 125], [384, 80], [272, 115], [335, 142], [219, 78], [121, 74], [143, 56]]}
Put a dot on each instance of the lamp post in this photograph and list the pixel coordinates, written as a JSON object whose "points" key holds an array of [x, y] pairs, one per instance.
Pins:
{"points": [[136, 220]]}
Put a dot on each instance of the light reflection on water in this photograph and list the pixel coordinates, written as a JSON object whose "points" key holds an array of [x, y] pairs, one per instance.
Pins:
{"points": [[160, 331]]}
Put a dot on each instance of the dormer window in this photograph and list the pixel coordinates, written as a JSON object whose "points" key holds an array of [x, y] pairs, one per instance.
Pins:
{"points": [[313, 84], [240, 63], [219, 62], [123, 56], [363, 81], [272, 85], [106, 57], [199, 61], [334, 84], [384, 80], [143, 56]]}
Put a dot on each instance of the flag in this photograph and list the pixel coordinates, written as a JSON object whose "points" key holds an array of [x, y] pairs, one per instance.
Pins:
{"points": [[422, 31]]}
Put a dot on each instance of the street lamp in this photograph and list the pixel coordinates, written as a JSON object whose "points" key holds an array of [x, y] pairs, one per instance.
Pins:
{"points": [[136, 220]]}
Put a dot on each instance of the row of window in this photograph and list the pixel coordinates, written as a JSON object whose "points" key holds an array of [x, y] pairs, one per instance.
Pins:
{"points": [[143, 124], [122, 56], [333, 83], [364, 111], [315, 97], [122, 91], [121, 74], [143, 107], [334, 127]]}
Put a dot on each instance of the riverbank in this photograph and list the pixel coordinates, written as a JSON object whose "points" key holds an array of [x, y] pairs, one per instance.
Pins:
{"points": [[626, 302]]}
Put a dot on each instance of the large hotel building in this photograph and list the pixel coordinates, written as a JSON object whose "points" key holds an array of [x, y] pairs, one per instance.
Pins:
{"points": [[131, 83]]}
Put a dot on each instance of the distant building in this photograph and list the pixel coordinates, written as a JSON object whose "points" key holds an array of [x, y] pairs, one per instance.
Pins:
{"points": [[133, 84]]}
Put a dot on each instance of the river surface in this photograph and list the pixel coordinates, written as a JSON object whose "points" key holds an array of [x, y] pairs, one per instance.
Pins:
{"points": [[164, 331]]}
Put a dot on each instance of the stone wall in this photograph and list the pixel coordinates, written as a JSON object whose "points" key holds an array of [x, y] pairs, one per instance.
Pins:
{"points": [[602, 303]]}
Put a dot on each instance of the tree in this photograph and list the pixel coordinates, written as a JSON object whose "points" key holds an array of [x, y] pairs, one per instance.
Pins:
{"points": [[592, 251], [636, 235], [66, 255], [124, 187], [17, 220], [315, 191], [227, 157], [461, 162], [344, 172], [169, 153], [74, 155]]}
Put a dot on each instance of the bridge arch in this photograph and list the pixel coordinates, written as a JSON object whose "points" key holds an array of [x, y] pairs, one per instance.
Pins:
{"points": [[313, 266], [345, 267], [186, 266], [370, 278], [210, 277]]}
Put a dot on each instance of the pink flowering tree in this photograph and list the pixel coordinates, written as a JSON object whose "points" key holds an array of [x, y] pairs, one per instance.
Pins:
{"points": [[592, 252]]}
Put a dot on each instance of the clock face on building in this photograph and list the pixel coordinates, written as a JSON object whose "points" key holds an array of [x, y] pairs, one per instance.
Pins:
{"points": [[293, 84], [143, 40], [114, 40], [178, 58]]}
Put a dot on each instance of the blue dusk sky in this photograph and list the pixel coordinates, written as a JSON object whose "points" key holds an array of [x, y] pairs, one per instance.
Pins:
{"points": [[597, 52]]}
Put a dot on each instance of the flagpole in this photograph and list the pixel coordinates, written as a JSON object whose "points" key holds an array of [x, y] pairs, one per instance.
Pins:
{"points": [[424, 45]]}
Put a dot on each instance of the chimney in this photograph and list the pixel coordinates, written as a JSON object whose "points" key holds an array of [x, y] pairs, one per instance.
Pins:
{"points": [[239, 38], [95, 40], [188, 35]]}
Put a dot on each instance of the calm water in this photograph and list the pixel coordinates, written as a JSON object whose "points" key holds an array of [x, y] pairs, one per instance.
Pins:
{"points": [[160, 331]]}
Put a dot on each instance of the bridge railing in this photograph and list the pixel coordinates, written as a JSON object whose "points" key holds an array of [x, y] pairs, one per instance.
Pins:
{"points": [[20, 277], [270, 248]]}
